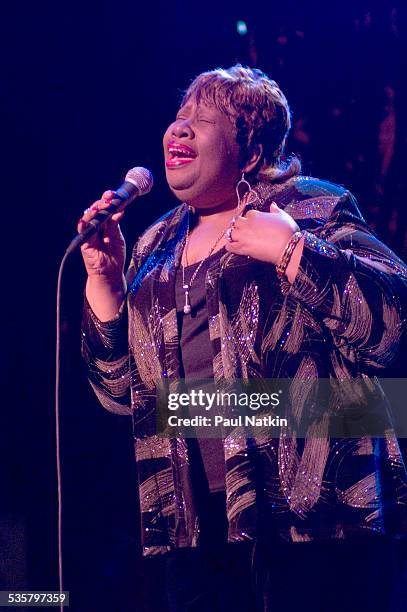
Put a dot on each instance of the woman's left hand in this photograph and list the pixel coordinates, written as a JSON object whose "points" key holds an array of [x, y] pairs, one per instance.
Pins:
{"points": [[262, 235]]}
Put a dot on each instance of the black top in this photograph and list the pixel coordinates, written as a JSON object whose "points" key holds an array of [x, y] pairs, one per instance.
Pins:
{"points": [[197, 359]]}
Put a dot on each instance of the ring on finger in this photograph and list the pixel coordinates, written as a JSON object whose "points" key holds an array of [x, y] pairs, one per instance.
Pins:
{"points": [[229, 234], [230, 230]]}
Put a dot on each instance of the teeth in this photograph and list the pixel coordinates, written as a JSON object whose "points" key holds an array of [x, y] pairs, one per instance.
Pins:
{"points": [[175, 152]]}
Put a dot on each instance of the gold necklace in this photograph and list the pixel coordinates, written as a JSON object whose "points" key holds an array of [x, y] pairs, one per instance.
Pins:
{"points": [[187, 286]]}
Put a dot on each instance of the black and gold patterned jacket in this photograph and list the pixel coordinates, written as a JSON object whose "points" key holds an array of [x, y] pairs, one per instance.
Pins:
{"points": [[341, 318]]}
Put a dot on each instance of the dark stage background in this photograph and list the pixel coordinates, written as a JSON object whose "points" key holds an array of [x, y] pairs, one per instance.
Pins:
{"points": [[89, 89]]}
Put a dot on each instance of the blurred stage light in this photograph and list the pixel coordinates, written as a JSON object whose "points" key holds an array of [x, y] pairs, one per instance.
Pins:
{"points": [[241, 28]]}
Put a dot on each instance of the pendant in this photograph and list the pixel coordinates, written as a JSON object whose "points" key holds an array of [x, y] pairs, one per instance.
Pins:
{"points": [[187, 305]]}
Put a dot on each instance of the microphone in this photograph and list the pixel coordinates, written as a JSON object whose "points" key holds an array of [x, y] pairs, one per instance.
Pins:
{"points": [[138, 182]]}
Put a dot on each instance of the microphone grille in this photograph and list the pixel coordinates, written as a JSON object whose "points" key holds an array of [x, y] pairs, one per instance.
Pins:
{"points": [[141, 178]]}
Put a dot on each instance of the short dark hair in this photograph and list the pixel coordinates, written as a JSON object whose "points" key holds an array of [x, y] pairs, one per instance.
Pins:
{"points": [[259, 111]]}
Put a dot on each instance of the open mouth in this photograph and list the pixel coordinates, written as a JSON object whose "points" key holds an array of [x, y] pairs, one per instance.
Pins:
{"points": [[179, 154]]}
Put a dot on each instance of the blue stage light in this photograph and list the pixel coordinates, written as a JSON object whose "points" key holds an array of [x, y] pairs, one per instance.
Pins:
{"points": [[241, 28]]}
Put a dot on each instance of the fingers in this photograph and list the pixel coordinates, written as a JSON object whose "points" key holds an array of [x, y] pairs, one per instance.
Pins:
{"points": [[236, 247], [236, 224], [93, 210], [104, 202], [81, 226], [112, 232], [240, 222], [108, 195], [117, 216]]}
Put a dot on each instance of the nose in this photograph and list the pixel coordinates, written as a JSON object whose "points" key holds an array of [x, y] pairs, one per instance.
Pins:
{"points": [[182, 129]]}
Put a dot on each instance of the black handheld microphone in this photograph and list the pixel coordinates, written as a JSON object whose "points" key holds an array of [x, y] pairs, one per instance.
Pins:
{"points": [[138, 182]]}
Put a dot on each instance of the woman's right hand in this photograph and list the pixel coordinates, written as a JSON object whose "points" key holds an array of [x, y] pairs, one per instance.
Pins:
{"points": [[105, 253]]}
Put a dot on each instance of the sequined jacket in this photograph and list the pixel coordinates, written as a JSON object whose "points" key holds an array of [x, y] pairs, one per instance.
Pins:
{"points": [[342, 317]]}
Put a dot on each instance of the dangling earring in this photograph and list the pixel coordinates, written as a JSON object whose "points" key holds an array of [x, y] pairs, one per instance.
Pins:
{"points": [[250, 195]]}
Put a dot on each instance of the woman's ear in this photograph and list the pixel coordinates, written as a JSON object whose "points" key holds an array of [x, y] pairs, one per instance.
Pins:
{"points": [[256, 155]]}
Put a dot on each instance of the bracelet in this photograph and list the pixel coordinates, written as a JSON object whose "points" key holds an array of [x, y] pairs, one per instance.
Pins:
{"points": [[287, 253]]}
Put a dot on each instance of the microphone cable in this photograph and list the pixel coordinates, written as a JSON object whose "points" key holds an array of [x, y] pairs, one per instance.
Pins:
{"points": [[138, 182], [57, 423]]}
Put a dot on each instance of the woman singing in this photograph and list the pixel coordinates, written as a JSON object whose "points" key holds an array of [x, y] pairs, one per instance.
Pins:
{"points": [[259, 273]]}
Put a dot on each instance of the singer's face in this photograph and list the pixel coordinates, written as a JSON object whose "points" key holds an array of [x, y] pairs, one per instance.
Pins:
{"points": [[202, 156]]}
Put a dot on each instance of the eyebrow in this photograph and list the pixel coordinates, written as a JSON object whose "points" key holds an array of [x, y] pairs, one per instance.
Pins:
{"points": [[187, 107], [205, 109]]}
